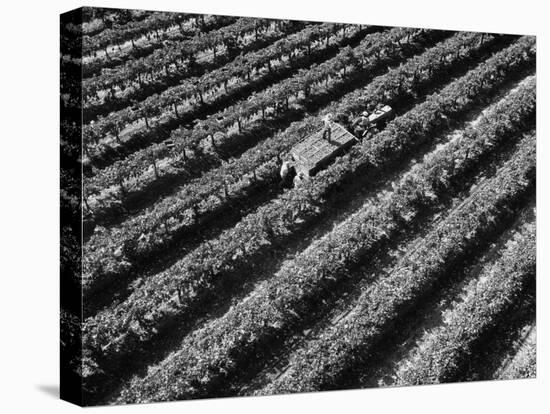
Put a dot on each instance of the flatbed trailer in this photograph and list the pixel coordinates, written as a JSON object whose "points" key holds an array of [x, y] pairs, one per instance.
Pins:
{"points": [[315, 152]]}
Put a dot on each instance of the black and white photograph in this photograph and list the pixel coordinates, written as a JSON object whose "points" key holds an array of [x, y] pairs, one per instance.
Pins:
{"points": [[256, 206], [278, 206]]}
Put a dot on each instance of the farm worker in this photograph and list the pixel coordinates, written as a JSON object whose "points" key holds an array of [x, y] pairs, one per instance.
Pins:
{"points": [[287, 172], [299, 179], [327, 119], [360, 125], [285, 168]]}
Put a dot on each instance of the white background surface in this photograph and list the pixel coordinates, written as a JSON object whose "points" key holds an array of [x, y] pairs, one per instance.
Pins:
{"points": [[29, 205]]}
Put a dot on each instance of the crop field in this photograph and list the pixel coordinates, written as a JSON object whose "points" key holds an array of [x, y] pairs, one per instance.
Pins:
{"points": [[407, 258]]}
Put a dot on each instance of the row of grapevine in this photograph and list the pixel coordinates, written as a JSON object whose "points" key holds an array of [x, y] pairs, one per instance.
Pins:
{"points": [[129, 31], [193, 93], [74, 49], [440, 352], [524, 362], [95, 20], [388, 299], [94, 64], [72, 34], [168, 296], [177, 54], [216, 351], [177, 215]]}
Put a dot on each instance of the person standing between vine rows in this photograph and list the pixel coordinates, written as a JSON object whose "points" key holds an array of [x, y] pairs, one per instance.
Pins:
{"points": [[299, 179], [287, 172]]}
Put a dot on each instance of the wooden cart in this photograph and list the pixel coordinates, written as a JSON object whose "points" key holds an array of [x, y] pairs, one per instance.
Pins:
{"points": [[314, 153]]}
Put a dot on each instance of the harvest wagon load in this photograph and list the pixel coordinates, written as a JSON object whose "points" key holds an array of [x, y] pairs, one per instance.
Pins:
{"points": [[317, 150]]}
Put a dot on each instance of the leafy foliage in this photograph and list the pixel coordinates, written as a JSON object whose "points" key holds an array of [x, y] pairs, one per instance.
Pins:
{"points": [[176, 292], [202, 197], [485, 299], [215, 351], [390, 297]]}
